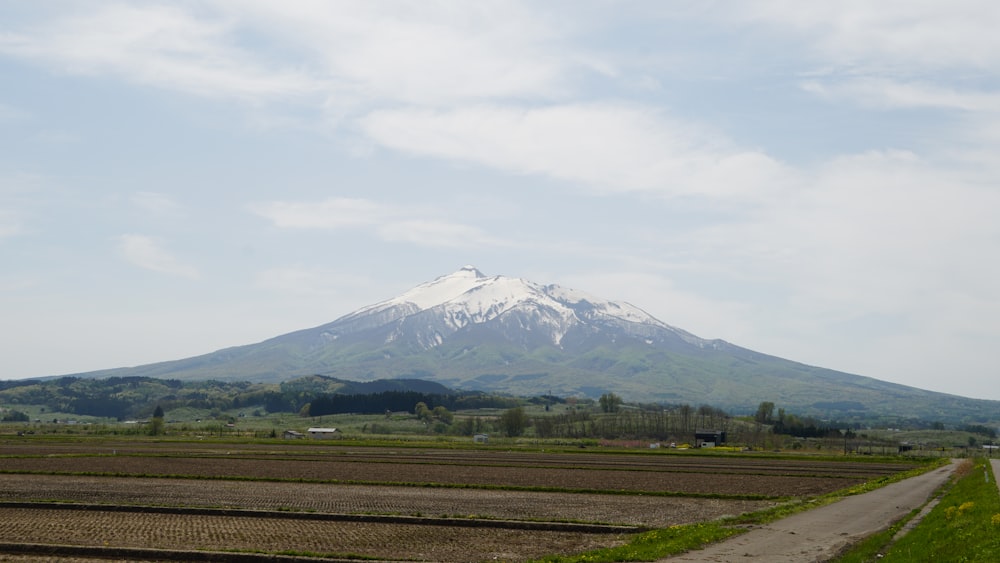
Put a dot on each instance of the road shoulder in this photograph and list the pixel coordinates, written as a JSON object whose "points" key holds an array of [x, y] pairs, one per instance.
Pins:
{"points": [[821, 533]]}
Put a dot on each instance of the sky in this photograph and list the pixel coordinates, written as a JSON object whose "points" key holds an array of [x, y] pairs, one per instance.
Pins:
{"points": [[815, 181]]}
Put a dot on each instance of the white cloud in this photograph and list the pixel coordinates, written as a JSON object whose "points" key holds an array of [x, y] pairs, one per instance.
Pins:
{"points": [[350, 54], [389, 222], [148, 253], [612, 148], [422, 52], [332, 213], [890, 35], [891, 94], [160, 45], [895, 54], [309, 282], [882, 242]]}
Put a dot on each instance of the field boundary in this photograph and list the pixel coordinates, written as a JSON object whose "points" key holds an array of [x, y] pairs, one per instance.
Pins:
{"points": [[414, 484], [149, 554], [337, 517]]}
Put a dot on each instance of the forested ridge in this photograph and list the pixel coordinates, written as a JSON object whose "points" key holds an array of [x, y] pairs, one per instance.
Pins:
{"points": [[137, 397]]}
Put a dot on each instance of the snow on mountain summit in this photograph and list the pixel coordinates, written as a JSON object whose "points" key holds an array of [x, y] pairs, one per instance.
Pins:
{"points": [[443, 289], [433, 310]]}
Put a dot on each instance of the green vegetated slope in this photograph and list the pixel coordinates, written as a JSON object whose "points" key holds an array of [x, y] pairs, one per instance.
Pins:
{"points": [[671, 371], [137, 397], [507, 335]]}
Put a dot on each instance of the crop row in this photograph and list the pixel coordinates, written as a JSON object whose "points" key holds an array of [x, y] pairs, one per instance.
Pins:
{"points": [[631, 510], [605, 460], [621, 480], [219, 533], [132, 494]]}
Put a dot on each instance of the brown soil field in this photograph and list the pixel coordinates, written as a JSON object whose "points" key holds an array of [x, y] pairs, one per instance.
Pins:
{"points": [[630, 510], [126, 485], [606, 460], [609, 472], [403, 473], [219, 533]]}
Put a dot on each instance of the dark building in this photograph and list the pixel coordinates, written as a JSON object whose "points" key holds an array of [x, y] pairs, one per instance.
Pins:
{"points": [[709, 438]]}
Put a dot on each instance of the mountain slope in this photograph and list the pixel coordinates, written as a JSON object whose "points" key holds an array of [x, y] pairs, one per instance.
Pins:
{"points": [[471, 331]]}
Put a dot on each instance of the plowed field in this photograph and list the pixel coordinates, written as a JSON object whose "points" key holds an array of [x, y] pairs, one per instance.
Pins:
{"points": [[449, 505]]}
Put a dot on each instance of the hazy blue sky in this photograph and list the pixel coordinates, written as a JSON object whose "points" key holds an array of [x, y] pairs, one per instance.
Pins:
{"points": [[816, 181]]}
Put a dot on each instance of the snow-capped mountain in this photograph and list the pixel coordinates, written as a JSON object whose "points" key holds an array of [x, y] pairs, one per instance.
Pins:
{"points": [[470, 331], [427, 315]]}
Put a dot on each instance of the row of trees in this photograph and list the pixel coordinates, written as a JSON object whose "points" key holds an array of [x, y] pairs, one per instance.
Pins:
{"points": [[14, 416], [615, 421], [676, 423], [377, 403], [427, 414], [793, 425]]}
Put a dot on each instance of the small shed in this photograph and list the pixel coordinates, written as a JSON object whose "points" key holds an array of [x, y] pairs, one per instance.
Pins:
{"points": [[709, 438], [293, 435], [481, 438], [324, 433]]}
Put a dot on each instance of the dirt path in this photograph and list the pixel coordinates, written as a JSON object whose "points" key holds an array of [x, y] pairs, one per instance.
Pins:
{"points": [[820, 534]]}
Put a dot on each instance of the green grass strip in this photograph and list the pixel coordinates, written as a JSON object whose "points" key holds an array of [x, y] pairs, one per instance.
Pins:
{"points": [[653, 545], [871, 548], [964, 526]]}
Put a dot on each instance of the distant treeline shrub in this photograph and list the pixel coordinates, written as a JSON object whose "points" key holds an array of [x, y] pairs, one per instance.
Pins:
{"points": [[654, 422], [806, 426], [375, 403], [15, 416], [136, 397]]}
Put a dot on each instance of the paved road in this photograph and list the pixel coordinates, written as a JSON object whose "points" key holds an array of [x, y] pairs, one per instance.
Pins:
{"points": [[996, 470], [821, 533]]}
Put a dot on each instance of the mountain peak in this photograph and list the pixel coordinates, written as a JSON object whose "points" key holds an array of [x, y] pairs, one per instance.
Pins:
{"points": [[469, 270], [442, 289], [510, 335], [521, 310]]}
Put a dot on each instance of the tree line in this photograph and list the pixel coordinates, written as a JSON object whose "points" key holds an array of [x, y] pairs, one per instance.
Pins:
{"points": [[136, 397], [377, 403], [656, 422], [790, 424]]}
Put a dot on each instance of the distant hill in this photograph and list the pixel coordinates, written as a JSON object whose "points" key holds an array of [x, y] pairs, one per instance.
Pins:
{"points": [[494, 333], [137, 397]]}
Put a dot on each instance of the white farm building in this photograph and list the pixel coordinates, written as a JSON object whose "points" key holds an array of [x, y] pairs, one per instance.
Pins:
{"points": [[323, 433]]}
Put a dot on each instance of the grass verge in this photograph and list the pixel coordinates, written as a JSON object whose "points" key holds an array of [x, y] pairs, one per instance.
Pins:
{"points": [[964, 526], [653, 545], [871, 548]]}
